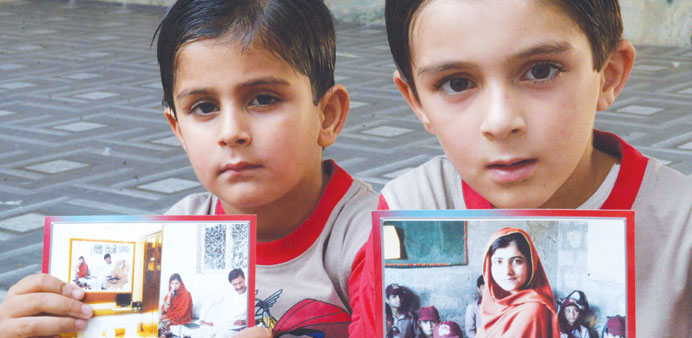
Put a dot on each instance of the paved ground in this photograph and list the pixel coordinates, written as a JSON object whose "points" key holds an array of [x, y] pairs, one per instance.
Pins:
{"points": [[81, 128]]}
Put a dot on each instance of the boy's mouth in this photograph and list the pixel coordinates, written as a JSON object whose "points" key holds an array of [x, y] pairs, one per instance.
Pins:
{"points": [[512, 170], [236, 168]]}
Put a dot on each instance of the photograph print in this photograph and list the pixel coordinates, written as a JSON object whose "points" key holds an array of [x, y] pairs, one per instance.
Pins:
{"points": [[506, 273], [157, 276]]}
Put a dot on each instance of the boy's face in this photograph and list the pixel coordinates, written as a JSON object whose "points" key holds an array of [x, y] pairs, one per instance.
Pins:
{"points": [[248, 124], [394, 301], [427, 326], [509, 89]]}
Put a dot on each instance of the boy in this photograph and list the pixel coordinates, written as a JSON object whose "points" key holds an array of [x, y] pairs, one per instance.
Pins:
{"points": [[428, 318], [397, 298], [615, 327], [249, 92], [510, 89], [472, 319], [447, 329]]}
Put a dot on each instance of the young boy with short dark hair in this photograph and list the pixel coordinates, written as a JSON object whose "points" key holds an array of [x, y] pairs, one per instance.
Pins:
{"points": [[511, 89], [249, 92]]}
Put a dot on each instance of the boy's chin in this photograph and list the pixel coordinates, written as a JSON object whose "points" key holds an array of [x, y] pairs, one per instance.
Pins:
{"points": [[516, 199]]}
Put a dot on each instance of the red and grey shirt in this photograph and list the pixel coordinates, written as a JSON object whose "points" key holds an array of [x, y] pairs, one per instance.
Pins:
{"points": [[316, 278], [660, 196]]}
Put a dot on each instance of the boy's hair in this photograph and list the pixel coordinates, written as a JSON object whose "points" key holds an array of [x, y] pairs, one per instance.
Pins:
{"points": [[600, 20], [300, 32]]}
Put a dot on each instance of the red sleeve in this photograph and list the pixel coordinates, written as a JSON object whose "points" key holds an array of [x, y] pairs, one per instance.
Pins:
{"points": [[365, 281], [382, 205], [361, 288]]}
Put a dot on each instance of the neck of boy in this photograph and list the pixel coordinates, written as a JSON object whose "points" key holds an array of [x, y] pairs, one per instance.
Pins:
{"points": [[281, 217], [587, 177]]}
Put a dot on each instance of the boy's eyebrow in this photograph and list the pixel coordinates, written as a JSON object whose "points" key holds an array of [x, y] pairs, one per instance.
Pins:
{"points": [[441, 67], [548, 48], [273, 81]]}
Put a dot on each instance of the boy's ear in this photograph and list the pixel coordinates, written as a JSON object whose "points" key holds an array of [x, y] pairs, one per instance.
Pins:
{"points": [[334, 106], [615, 73], [175, 126], [410, 97]]}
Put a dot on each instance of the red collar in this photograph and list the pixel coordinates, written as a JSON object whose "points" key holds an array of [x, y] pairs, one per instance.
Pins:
{"points": [[287, 248], [632, 168]]}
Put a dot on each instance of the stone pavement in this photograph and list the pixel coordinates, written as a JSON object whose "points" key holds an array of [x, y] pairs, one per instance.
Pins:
{"points": [[82, 130]]}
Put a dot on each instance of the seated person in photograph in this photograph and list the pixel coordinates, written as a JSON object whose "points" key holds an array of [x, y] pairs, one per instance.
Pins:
{"points": [[616, 327], [105, 272], [428, 317], [227, 315], [571, 321], [447, 329], [511, 90], [119, 276], [177, 305], [398, 299], [472, 319], [82, 268], [82, 273], [518, 300]]}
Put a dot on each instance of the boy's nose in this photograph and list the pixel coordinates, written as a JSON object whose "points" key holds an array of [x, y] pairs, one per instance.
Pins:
{"points": [[233, 129], [503, 115]]}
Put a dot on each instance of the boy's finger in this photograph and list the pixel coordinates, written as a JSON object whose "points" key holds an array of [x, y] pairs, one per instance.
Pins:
{"points": [[40, 326], [47, 303], [45, 283]]}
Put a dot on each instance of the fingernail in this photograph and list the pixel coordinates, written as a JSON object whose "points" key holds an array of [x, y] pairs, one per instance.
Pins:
{"points": [[80, 324], [87, 311], [77, 293]]}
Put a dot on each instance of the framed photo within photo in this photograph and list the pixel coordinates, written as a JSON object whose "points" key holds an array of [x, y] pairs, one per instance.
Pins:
{"points": [[156, 276], [504, 272]]}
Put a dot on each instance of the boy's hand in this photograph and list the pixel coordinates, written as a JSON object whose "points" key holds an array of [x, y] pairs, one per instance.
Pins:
{"points": [[42, 305], [255, 332]]}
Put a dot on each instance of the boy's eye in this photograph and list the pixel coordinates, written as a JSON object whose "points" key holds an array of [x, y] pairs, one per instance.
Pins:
{"points": [[457, 85], [204, 108], [542, 72], [263, 100]]}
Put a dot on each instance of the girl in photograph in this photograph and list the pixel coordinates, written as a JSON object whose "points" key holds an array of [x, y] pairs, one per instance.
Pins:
{"points": [[517, 300], [82, 268], [177, 305]]}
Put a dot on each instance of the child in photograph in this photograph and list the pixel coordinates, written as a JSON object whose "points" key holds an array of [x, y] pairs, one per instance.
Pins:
{"points": [[249, 92], [428, 318], [511, 90], [472, 318], [615, 327], [177, 305], [570, 319], [447, 329], [518, 300], [397, 298]]}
